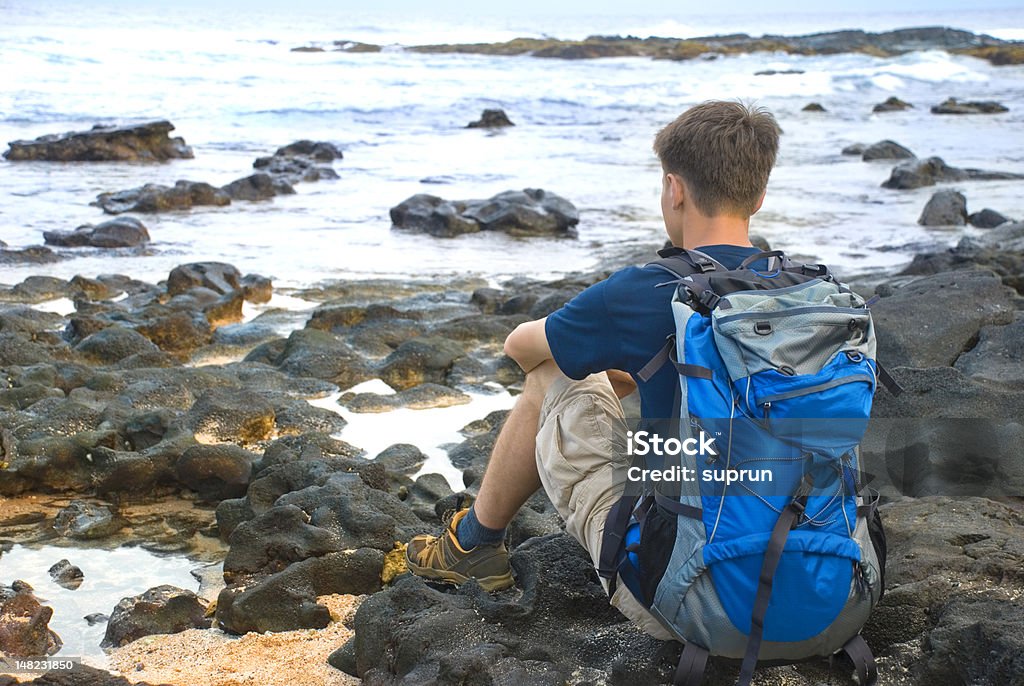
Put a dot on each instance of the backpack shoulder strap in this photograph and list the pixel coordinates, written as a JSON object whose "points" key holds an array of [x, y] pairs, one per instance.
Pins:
{"points": [[681, 262]]}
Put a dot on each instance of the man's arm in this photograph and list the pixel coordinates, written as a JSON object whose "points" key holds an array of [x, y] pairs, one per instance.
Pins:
{"points": [[528, 344]]}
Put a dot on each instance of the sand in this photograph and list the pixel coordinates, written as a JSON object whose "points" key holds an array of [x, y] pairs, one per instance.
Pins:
{"points": [[200, 657]]}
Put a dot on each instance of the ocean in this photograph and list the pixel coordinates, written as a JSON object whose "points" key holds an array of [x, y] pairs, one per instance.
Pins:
{"points": [[229, 81]]}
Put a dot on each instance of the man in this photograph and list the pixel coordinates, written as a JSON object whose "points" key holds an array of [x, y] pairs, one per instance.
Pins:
{"points": [[579, 361]]}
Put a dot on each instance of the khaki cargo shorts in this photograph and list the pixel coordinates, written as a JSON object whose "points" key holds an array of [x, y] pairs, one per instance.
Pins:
{"points": [[584, 474]]}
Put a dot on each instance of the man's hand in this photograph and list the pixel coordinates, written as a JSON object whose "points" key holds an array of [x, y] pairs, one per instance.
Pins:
{"points": [[528, 344]]}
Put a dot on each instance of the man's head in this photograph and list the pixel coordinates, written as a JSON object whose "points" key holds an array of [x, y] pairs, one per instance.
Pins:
{"points": [[723, 153]]}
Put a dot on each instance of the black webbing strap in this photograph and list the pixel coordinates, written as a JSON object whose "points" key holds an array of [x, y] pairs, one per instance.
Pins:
{"points": [[611, 541], [772, 555], [656, 362], [869, 503], [858, 650], [690, 671], [676, 507], [887, 380]]}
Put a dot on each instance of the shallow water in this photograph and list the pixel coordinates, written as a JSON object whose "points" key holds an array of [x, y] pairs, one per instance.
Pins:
{"points": [[110, 575], [584, 129]]}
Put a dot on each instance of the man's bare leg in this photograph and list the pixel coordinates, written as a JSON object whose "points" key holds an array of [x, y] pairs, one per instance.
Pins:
{"points": [[511, 476]]}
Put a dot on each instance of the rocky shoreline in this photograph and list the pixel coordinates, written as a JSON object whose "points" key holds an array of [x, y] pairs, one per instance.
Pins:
{"points": [[107, 405], [883, 44]]}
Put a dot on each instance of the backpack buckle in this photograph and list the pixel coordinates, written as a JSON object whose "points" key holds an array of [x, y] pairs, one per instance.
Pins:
{"points": [[709, 300], [814, 269]]}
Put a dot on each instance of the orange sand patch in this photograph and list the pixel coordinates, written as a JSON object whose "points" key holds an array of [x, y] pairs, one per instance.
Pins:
{"points": [[200, 657]]}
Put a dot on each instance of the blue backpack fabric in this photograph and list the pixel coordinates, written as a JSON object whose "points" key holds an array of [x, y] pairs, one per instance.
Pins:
{"points": [[768, 550]]}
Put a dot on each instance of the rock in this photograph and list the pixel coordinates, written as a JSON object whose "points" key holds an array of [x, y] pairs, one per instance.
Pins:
{"points": [[66, 574], [919, 173], [215, 472], [419, 361], [140, 142], [401, 457], [217, 276], [317, 354], [35, 254], [90, 289], [85, 521], [987, 219], [321, 151], [954, 106], [40, 288], [809, 107], [259, 186], [998, 356], [559, 629], [422, 397], [123, 232], [24, 624], [273, 540], [945, 208], [892, 104], [886, 150], [491, 119], [160, 610], [232, 415], [96, 618], [776, 72], [114, 344], [156, 198], [179, 332], [529, 212], [854, 149], [257, 289], [1000, 250], [931, 321], [287, 601]]}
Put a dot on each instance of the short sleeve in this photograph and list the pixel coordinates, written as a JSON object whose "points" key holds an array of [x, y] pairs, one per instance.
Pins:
{"points": [[581, 335]]}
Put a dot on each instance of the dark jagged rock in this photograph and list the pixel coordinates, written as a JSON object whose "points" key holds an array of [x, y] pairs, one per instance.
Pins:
{"points": [[24, 624], [530, 212], [152, 197], [777, 72], [987, 219], [998, 356], [160, 610], [36, 289], [401, 457], [123, 232], [854, 149], [287, 601], [811, 106], [35, 254], [422, 397], [217, 276], [231, 415], [114, 344], [273, 540], [919, 173], [419, 361], [259, 186], [1000, 250], [491, 119], [317, 354], [886, 150], [300, 161], [66, 574], [892, 104], [216, 472], [86, 521], [954, 106], [140, 142], [944, 208], [930, 321], [321, 151]]}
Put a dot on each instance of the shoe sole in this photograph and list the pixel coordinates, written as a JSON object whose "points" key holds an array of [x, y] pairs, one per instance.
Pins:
{"points": [[488, 583]]}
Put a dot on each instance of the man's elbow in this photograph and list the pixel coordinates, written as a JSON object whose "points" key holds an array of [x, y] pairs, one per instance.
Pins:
{"points": [[514, 343]]}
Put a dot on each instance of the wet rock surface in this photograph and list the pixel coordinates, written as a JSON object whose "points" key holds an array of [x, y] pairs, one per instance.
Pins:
{"points": [[886, 150], [153, 197], [919, 173], [160, 610], [123, 232], [529, 212], [491, 119], [140, 142], [954, 106], [892, 104], [944, 208], [24, 630], [66, 574]]}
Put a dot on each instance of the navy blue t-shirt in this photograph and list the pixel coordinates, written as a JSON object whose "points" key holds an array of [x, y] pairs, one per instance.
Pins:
{"points": [[621, 323]]}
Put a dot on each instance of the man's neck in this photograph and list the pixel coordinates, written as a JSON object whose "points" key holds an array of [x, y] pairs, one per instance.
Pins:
{"points": [[720, 230]]}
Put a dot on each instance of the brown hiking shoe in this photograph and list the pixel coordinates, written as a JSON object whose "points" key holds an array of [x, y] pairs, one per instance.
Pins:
{"points": [[441, 558]]}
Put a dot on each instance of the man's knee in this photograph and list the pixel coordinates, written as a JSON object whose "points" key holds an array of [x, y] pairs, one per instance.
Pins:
{"points": [[540, 378]]}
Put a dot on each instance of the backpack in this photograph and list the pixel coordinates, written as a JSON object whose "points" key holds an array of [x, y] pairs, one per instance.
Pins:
{"points": [[769, 550]]}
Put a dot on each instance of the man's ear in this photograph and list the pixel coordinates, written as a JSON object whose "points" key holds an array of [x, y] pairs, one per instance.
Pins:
{"points": [[759, 202], [677, 190]]}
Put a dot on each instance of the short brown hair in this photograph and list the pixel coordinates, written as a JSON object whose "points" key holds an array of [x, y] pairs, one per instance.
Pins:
{"points": [[724, 151]]}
